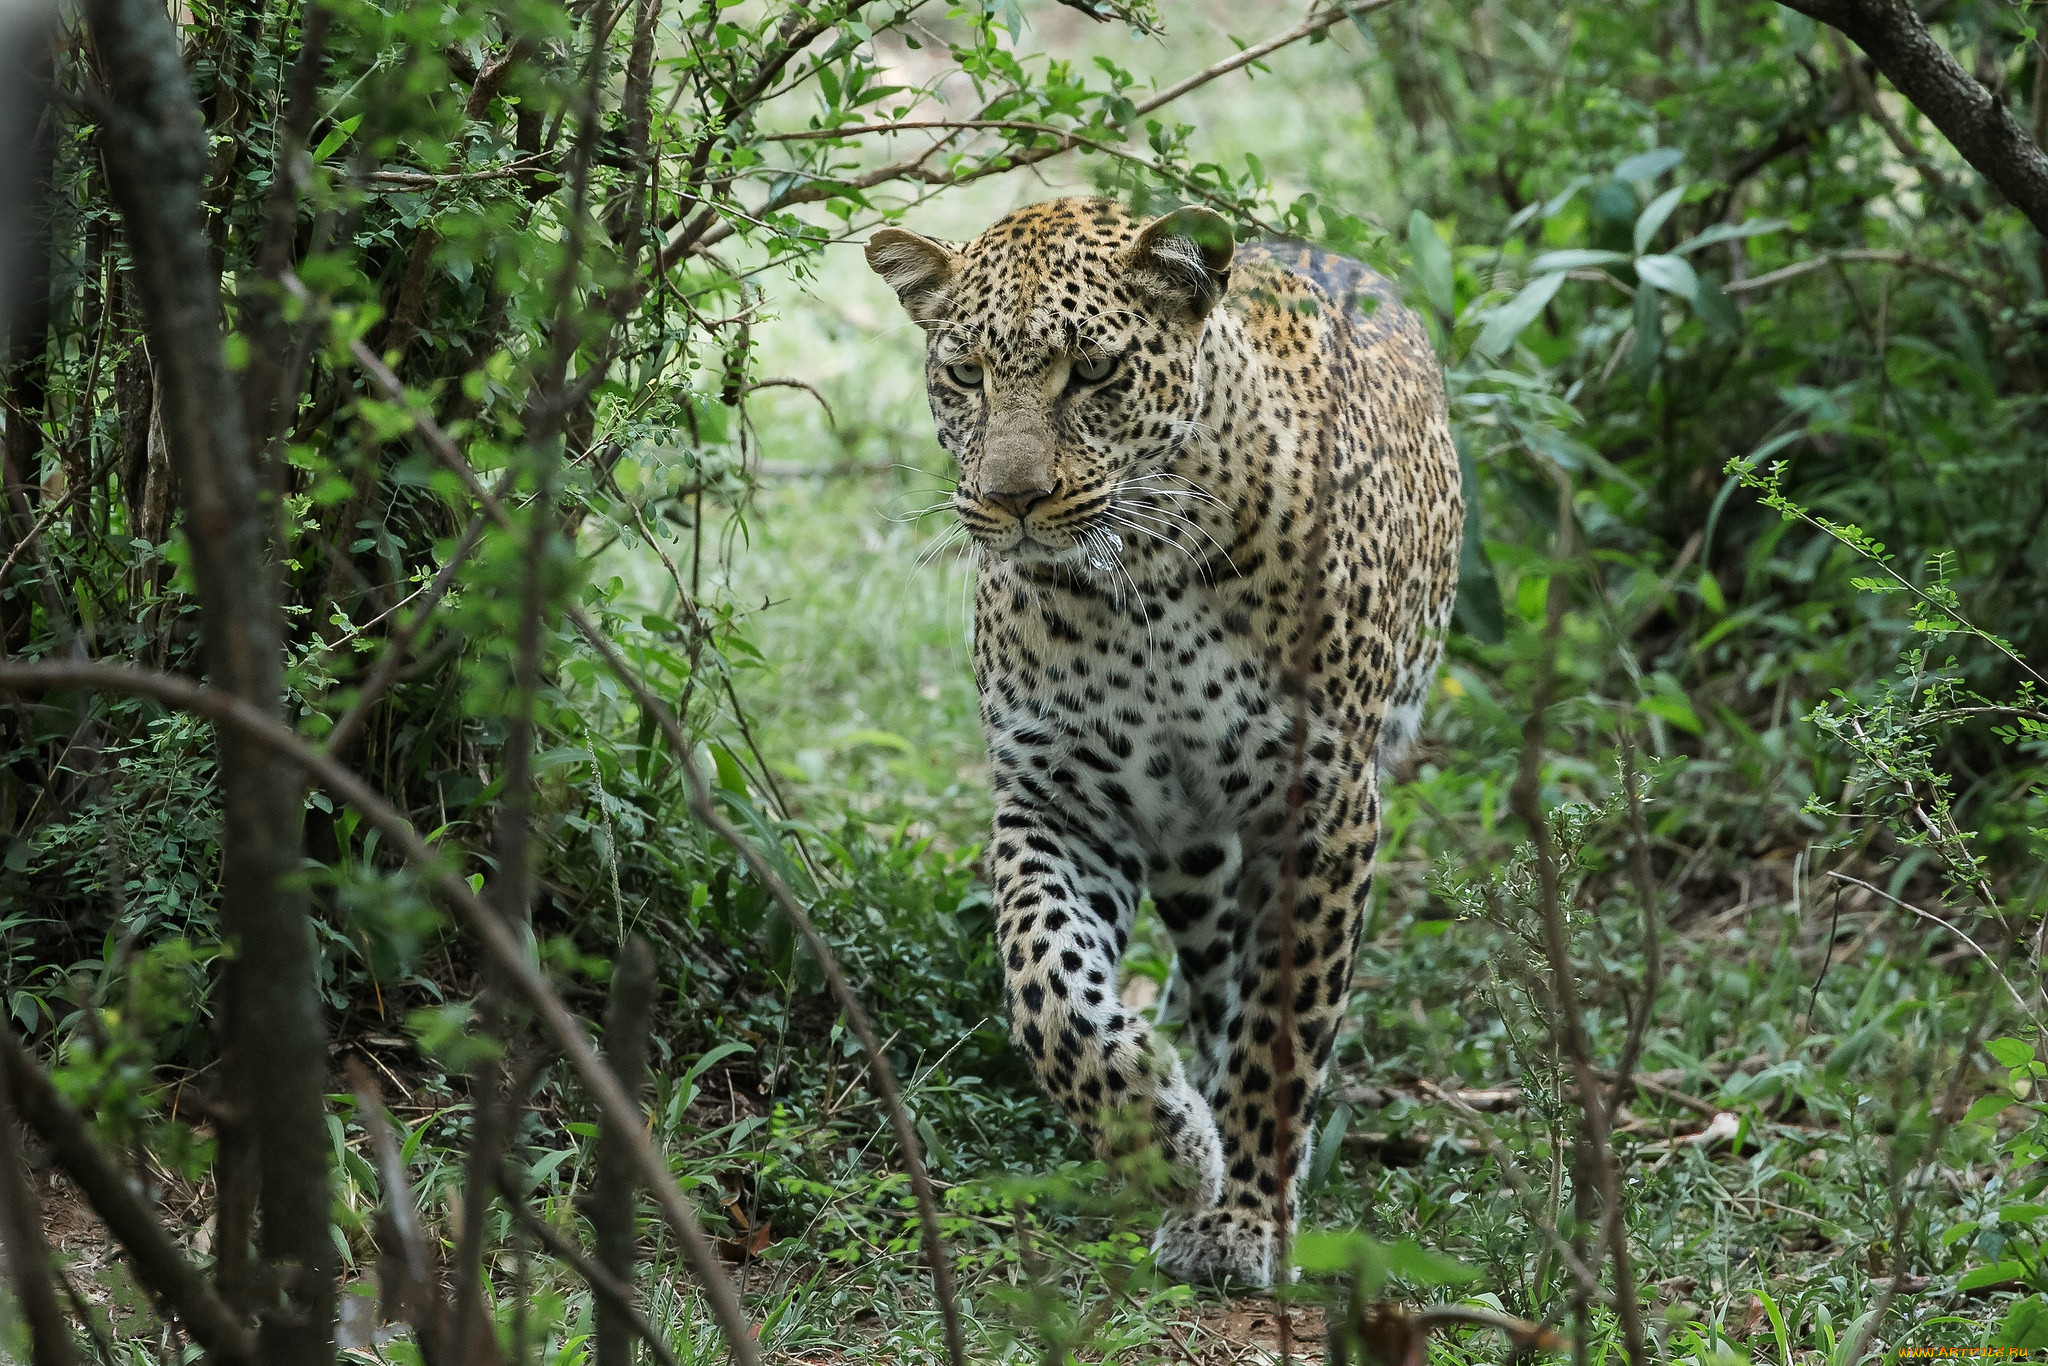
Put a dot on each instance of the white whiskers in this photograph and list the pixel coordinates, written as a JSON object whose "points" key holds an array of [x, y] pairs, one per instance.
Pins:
{"points": [[936, 548]]}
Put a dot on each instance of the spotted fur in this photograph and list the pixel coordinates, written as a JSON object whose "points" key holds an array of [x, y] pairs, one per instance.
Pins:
{"points": [[1215, 490]]}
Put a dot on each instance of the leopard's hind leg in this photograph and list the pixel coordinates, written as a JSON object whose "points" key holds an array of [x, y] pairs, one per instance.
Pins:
{"points": [[1268, 1073]]}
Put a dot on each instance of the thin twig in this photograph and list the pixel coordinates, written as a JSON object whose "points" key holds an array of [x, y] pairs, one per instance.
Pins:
{"points": [[1587, 1277], [913, 168], [609, 1289], [1902, 259], [1827, 956], [401, 641], [56, 509], [1977, 948]]}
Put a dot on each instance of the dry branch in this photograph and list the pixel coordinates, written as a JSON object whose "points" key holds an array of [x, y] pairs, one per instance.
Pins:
{"points": [[158, 1264], [1975, 121], [232, 714], [626, 1023], [705, 808]]}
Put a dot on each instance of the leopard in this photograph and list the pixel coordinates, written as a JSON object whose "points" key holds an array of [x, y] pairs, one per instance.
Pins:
{"points": [[1216, 510]]}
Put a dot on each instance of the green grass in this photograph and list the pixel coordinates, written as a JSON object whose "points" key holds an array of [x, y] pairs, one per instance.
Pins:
{"points": [[871, 711], [872, 707], [862, 702]]}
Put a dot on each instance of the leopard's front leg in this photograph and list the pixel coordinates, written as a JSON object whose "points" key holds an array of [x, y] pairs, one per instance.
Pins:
{"points": [[1065, 900], [1277, 1057]]}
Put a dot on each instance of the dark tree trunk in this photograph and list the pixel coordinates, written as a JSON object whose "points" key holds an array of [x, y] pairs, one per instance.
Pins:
{"points": [[28, 1255], [274, 1037], [28, 121], [612, 1192], [1977, 122]]}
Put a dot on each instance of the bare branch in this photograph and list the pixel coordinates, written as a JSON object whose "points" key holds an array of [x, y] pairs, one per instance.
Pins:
{"points": [[27, 1253], [99, 1176], [1975, 121], [258, 728]]}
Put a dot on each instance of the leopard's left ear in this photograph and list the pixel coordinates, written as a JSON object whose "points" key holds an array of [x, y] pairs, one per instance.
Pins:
{"points": [[1184, 257]]}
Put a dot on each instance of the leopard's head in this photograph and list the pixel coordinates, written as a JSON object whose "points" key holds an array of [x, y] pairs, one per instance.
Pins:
{"points": [[1060, 353]]}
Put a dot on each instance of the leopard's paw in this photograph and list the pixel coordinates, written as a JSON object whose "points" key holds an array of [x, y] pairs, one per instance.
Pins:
{"points": [[1215, 1246]]}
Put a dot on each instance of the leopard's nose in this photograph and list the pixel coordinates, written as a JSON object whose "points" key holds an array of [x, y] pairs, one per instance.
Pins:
{"points": [[1016, 502]]}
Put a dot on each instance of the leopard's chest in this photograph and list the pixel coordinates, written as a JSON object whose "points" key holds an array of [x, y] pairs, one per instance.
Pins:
{"points": [[1150, 715]]}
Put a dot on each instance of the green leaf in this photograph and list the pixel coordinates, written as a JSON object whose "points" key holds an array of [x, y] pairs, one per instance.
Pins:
{"points": [[1855, 1046], [339, 134], [1728, 232], [1510, 318], [1577, 258], [1652, 218], [1328, 1250], [1432, 258], [1987, 1107], [1649, 347], [1328, 1143], [878, 739], [2010, 1052], [1675, 709], [1414, 1262], [1672, 274], [731, 776], [2025, 1325], [714, 1057], [1648, 165], [1998, 1273], [1716, 309]]}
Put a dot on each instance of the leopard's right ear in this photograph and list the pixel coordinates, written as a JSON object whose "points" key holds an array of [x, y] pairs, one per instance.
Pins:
{"points": [[917, 268]]}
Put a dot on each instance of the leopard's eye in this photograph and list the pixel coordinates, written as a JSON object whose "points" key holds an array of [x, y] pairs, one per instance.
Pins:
{"points": [[1094, 369], [966, 374]]}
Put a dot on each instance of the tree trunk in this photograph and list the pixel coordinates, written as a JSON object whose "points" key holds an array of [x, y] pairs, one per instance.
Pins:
{"points": [[1978, 123], [274, 1037]]}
